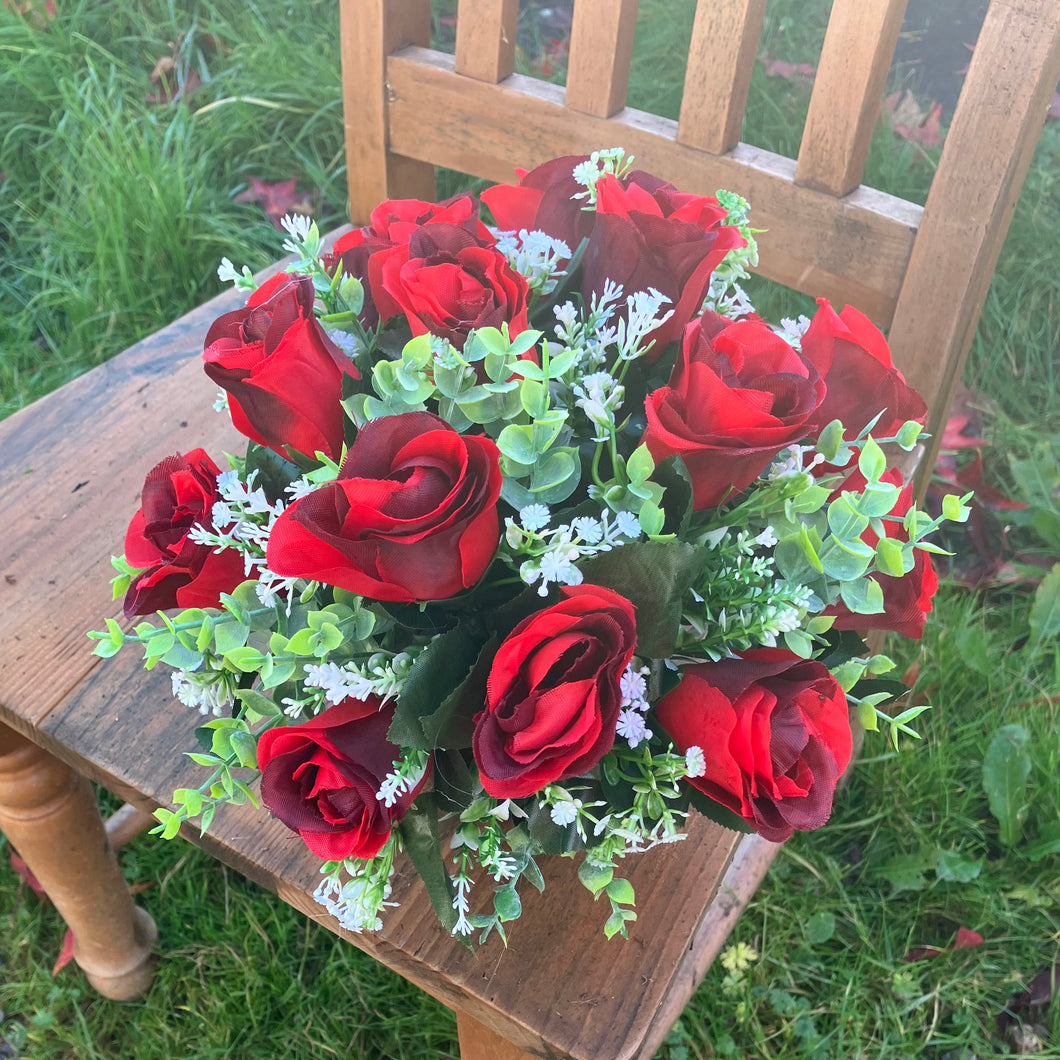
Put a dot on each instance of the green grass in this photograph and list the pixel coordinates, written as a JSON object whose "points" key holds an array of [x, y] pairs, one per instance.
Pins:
{"points": [[113, 215]]}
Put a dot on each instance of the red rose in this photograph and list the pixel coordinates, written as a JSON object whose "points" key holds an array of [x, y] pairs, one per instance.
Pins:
{"points": [[543, 201], [854, 360], [774, 732], [737, 396], [553, 695], [321, 778], [650, 235], [178, 494], [282, 373], [906, 600], [446, 283], [411, 516], [362, 251]]}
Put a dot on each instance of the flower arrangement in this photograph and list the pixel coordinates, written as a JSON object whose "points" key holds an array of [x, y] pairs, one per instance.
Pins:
{"points": [[540, 531]]}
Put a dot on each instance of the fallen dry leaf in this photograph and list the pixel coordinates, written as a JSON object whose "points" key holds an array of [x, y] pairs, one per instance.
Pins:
{"points": [[790, 71], [911, 122], [965, 939], [277, 199], [66, 954], [1053, 113]]}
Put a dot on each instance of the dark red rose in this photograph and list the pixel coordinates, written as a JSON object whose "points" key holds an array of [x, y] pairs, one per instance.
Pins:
{"points": [[650, 235], [553, 695], [321, 778], [906, 600], [854, 360], [362, 251], [282, 373], [543, 201], [411, 516], [775, 735], [446, 283], [178, 494], [737, 396]]}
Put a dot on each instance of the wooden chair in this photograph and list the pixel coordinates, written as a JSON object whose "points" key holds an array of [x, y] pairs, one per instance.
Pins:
{"points": [[72, 466]]}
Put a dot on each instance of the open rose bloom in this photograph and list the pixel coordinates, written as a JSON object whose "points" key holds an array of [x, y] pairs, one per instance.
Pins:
{"points": [[540, 528]]}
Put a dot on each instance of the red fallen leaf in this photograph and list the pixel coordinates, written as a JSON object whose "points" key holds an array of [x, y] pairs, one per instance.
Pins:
{"points": [[966, 940], [23, 870], [277, 199], [790, 71], [66, 954], [970, 477], [1053, 113], [28, 9], [1033, 1001], [171, 87]]}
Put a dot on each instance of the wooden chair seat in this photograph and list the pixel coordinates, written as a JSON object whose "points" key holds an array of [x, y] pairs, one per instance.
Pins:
{"points": [[72, 466]]}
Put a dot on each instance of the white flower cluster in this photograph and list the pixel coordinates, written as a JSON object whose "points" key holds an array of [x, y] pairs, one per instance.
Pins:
{"points": [[599, 396], [727, 298], [208, 692], [383, 675], [610, 160], [243, 519], [631, 725], [555, 552], [404, 777], [792, 331], [536, 256], [355, 904]]}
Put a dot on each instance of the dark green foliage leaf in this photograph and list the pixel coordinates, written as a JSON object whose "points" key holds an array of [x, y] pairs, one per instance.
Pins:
{"points": [[715, 812], [451, 725], [419, 832], [426, 707], [654, 576], [274, 472], [1005, 771], [672, 474], [552, 838], [1048, 842], [454, 780]]}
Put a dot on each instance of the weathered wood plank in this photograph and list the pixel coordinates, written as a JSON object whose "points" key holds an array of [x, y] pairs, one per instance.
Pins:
{"points": [[485, 39], [847, 92], [855, 250], [1010, 80], [601, 47], [369, 30], [721, 59]]}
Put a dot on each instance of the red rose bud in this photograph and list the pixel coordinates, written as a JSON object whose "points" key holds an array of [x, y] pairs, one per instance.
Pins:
{"points": [[361, 253], [774, 732], [854, 360], [553, 695], [543, 201], [282, 373], [906, 599], [178, 494], [411, 516], [321, 779], [737, 396], [650, 235], [446, 283]]}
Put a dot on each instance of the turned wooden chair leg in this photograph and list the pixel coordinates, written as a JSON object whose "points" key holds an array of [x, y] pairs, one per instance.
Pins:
{"points": [[50, 816], [126, 823], [478, 1042]]}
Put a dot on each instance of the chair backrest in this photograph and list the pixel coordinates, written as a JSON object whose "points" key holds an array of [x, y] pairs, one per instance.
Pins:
{"points": [[922, 273]]}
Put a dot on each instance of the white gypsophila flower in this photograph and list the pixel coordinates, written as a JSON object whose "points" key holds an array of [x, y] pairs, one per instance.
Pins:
{"points": [[565, 812], [220, 403], [633, 685], [534, 517], [297, 226], [348, 343], [695, 762], [627, 524], [631, 727], [792, 331], [588, 529], [301, 487], [567, 315], [767, 538]]}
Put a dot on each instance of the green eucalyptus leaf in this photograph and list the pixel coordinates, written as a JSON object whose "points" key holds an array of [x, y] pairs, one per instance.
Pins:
{"points": [[871, 461]]}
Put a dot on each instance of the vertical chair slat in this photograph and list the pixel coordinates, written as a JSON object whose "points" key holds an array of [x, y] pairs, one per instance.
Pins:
{"points": [[369, 31], [601, 47], [485, 38], [720, 61], [845, 104], [988, 149]]}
